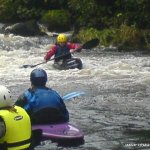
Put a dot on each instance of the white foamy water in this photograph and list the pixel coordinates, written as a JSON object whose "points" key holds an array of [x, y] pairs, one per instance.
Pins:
{"points": [[117, 86]]}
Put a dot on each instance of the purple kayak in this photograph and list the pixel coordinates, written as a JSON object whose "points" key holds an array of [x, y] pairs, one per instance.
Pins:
{"points": [[65, 131]]}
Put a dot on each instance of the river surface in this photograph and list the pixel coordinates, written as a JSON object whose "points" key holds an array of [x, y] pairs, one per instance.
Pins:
{"points": [[114, 113]]}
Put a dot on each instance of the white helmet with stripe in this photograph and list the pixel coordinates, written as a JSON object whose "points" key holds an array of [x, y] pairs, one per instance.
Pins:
{"points": [[5, 97]]}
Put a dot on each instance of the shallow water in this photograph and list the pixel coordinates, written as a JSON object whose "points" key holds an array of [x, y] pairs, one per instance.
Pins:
{"points": [[114, 113]]}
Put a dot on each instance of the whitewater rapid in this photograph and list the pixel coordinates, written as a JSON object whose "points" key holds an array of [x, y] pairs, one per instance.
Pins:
{"points": [[117, 87]]}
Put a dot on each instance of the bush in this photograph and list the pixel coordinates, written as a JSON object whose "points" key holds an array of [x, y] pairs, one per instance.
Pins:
{"points": [[13, 11], [105, 36], [56, 20], [147, 38], [129, 37], [87, 34], [124, 38], [7, 12], [27, 14]]}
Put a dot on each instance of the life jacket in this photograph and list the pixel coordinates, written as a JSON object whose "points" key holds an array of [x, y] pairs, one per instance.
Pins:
{"points": [[41, 98], [18, 129], [62, 51]]}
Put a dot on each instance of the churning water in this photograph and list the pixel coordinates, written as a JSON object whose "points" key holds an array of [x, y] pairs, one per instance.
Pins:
{"points": [[114, 113]]}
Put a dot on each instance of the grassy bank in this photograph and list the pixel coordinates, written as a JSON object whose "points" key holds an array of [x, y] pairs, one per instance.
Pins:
{"points": [[124, 38]]}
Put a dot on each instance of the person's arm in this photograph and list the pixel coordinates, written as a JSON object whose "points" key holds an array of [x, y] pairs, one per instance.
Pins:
{"points": [[50, 53], [2, 128], [21, 101], [74, 47]]}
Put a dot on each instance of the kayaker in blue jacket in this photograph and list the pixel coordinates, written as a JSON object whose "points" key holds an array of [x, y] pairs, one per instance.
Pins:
{"points": [[43, 104]]}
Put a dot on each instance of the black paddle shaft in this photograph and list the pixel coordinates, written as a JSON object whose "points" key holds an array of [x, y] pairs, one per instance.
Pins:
{"points": [[32, 66]]}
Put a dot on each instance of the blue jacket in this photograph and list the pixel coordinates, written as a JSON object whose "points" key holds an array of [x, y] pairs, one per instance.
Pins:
{"points": [[45, 98]]}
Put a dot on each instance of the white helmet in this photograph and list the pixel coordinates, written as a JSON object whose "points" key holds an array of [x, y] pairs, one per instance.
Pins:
{"points": [[5, 97]]}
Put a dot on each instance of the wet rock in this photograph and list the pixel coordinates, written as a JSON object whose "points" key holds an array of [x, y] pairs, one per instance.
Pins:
{"points": [[29, 28]]}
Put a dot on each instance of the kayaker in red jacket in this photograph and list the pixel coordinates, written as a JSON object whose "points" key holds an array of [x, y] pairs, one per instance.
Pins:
{"points": [[62, 50]]}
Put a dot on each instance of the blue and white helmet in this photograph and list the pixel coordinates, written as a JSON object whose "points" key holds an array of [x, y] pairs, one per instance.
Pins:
{"points": [[5, 97]]}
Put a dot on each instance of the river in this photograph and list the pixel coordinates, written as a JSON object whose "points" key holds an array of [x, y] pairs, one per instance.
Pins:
{"points": [[114, 113]]}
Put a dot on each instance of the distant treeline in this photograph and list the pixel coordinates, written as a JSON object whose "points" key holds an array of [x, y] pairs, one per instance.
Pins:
{"points": [[92, 13]]}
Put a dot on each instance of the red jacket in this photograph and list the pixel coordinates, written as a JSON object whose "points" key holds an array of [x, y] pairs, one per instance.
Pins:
{"points": [[53, 49]]}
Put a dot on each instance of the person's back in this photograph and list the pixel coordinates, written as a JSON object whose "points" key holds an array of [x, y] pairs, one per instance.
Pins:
{"points": [[13, 120], [43, 104]]}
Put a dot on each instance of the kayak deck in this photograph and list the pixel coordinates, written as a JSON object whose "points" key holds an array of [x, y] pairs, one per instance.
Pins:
{"points": [[63, 133]]}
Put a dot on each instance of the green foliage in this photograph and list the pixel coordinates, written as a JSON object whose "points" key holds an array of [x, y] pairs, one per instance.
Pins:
{"points": [[25, 14], [125, 38], [147, 38], [111, 13], [123, 23], [129, 37], [99, 14], [105, 36], [87, 34], [11, 11], [56, 19], [84, 13], [133, 12], [7, 11]]}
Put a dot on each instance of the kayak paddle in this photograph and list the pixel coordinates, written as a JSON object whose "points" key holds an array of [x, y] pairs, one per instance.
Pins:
{"points": [[88, 45], [72, 95], [32, 66], [91, 44]]}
